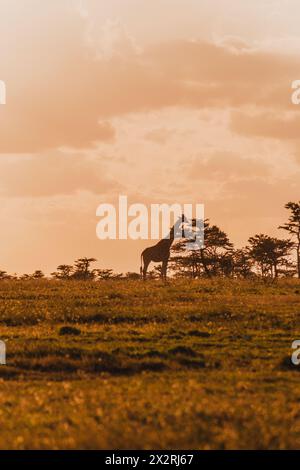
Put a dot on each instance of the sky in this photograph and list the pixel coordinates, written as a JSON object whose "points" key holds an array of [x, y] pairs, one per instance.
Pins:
{"points": [[164, 101]]}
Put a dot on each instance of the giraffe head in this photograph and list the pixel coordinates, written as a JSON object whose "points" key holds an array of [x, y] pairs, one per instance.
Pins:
{"points": [[177, 231]]}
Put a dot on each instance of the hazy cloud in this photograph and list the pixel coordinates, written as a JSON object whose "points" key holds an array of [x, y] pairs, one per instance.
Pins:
{"points": [[52, 174]]}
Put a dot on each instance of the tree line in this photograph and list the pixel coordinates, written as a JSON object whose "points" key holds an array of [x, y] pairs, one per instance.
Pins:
{"points": [[80, 271], [264, 256]]}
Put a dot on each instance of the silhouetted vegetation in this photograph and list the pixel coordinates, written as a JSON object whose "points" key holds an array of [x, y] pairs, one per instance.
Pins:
{"points": [[264, 257], [293, 227]]}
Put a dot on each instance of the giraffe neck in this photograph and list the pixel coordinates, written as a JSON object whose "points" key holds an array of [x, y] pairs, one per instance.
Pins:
{"points": [[174, 230]]}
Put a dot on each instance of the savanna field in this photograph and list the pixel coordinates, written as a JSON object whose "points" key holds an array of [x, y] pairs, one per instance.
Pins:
{"points": [[201, 364]]}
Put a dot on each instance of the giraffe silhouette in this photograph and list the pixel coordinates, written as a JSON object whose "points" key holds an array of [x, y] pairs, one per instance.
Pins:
{"points": [[161, 251]]}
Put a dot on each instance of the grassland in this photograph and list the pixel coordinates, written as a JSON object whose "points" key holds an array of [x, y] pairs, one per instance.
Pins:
{"points": [[199, 364]]}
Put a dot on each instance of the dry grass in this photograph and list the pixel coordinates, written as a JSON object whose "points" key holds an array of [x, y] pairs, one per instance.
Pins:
{"points": [[124, 364]]}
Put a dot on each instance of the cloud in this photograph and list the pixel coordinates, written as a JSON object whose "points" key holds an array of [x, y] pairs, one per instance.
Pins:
{"points": [[226, 166], [265, 124], [159, 135], [53, 174], [57, 91], [110, 39]]}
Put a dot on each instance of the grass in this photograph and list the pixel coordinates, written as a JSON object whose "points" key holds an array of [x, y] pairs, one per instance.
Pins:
{"points": [[199, 364]]}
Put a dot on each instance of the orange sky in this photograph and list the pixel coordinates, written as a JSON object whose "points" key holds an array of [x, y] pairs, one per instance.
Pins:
{"points": [[164, 101]]}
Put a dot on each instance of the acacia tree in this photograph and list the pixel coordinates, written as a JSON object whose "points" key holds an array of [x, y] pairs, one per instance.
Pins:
{"points": [[216, 248], [184, 263], [64, 271], [106, 274], [293, 227], [82, 269], [242, 263], [38, 274], [270, 254], [211, 260]]}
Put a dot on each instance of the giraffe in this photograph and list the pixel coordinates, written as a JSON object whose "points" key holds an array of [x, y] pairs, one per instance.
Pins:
{"points": [[161, 251]]}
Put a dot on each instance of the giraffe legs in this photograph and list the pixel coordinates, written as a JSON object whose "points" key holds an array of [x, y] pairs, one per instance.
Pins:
{"points": [[146, 264], [164, 268], [146, 258]]}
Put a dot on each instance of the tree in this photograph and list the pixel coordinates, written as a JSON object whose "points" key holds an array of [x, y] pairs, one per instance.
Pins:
{"points": [[242, 263], [106, 274], [133, 276], [293, 227], [182, 262], [212, 260], [269, 253], [217, 246], [82, 269], [64, 271], [4, 276], [38, 274], [29, 277], [25, 277]]}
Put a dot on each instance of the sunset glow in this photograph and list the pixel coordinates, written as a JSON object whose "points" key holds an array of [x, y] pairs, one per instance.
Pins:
{"points": [[164, 101]]}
